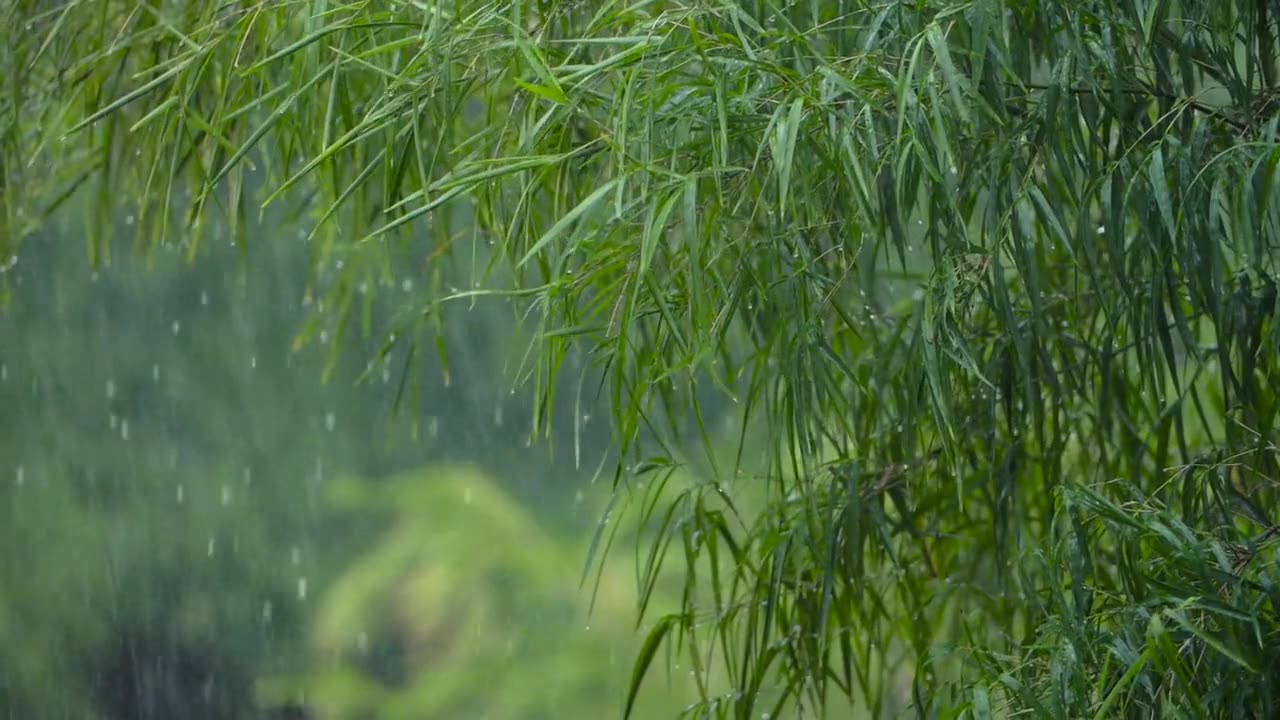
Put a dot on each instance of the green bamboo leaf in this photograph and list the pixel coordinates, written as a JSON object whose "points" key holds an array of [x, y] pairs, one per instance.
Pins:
{"points": [[955, 82], [1160, 190], [786, 129], [648, 650], [554, 94], [981, 704], [1149, 19], [1213, 640], [1117, 690], [550, 87], [158, 112], [320, 34], [601, 524], [414, 214], [265, 127], [128, 97], [569, 219], [656, 226]]}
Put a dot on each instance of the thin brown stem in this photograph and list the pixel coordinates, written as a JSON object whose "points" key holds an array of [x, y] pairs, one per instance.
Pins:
{"points": [[1216, 113]]}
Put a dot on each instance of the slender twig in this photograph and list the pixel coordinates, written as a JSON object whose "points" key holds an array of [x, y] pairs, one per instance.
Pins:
{"points": [[1196, 105]]}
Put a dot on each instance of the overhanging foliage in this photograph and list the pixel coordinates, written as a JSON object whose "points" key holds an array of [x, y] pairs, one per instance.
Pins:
{"points": [[957, 266]]}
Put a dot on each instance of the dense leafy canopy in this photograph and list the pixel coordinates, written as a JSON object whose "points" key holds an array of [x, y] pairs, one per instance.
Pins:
{"points": [[987, 288]]}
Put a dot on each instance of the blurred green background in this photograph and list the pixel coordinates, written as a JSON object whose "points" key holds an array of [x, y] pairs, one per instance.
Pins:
{"points": [[194, 525]]}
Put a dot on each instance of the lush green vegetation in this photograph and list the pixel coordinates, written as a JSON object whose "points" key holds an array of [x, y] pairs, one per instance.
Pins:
{"points": [[981, 297], [183, 534], [473, 606]]}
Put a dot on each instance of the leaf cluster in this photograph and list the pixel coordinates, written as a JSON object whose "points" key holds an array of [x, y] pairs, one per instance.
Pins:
{"points": [[943, 262]]}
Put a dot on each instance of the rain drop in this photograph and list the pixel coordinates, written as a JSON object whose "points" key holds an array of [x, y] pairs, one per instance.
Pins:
{"points": [[4, 372], [466, 496], [111, 389], [155, 373], [177, 327], [128, 219], [20, 478], [204, 298], [226, 495], [330, 420], [124, 429], [253, 362], [295, 555], [181, 492], [302, 588]]}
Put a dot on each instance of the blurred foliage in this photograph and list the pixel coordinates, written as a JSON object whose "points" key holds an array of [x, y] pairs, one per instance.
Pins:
{"points": [[465, 606], [145, 578], [168, 454]]}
